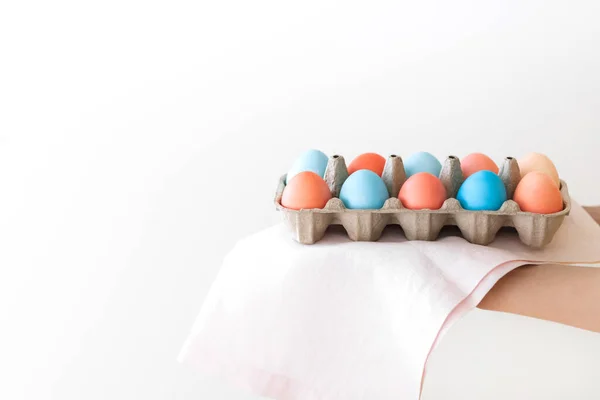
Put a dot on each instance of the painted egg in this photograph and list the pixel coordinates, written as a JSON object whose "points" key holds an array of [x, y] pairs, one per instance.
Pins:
{"points": [[304, 191], [364, 190], [422, 162], [371, 161], [484, 190], [538, 193], [310, 160], [422, 191], [539, 162], [477, 162]]}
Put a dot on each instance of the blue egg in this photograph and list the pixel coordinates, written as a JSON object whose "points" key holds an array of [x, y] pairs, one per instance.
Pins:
{"points": [[364, 190], [422, 162], [310, 160], [484, 190]]}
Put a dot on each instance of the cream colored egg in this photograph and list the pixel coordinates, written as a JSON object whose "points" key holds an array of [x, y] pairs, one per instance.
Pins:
{"points": [[541, 163]]}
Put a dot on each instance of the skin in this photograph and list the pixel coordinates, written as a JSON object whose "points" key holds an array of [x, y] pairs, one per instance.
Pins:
{"points": [[560, 293]]}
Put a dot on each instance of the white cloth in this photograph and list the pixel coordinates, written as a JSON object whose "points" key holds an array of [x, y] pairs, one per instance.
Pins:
{"points": [[353, 320]]}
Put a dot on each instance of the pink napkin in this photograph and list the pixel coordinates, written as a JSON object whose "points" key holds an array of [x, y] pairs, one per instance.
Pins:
{"points": [[353, 320]]}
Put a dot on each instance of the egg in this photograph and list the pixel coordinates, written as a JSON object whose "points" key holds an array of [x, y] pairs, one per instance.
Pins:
{"points": [[477, 162], [538, 193], [538, 162], [304, 191], [484, 190], [310, 160], [371, 161], [364, 190], [422, 191], [422, 162]]}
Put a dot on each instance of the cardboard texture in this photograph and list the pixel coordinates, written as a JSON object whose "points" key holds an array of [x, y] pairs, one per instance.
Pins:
{"points": [[478, 227]]}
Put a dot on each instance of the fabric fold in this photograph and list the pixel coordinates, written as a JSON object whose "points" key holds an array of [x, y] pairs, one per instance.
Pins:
{"points": [[353, 320]]}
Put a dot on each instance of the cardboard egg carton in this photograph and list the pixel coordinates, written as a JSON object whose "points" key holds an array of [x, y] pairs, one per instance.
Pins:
{"points": [[478, 227]]}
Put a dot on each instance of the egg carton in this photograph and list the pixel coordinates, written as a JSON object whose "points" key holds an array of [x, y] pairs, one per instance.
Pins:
{"points": [[478, 227]]}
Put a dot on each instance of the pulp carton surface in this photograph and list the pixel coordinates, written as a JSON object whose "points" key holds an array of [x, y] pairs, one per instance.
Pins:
{"points": [[479, 227]]}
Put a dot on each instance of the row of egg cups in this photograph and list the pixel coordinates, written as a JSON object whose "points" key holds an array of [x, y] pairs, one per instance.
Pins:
{"points": [[479, 227], [422, 161], [483, 190]]}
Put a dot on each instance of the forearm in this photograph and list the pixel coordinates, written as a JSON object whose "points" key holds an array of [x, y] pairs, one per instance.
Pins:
{"points": [[560, 293]]}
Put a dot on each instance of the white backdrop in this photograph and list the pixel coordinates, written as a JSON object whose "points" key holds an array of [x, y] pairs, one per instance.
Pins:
{"points": [[139, 140]]}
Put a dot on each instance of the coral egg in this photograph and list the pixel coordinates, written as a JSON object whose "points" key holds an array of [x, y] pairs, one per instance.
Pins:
{"points": [[477, 162], [422, 191], [371, 161], [538, 193], [305, 190]]}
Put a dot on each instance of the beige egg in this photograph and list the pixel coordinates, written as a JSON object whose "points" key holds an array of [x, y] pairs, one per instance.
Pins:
{"points": [[541, 163]]}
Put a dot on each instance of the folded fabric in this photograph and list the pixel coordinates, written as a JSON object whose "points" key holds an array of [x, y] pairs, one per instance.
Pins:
{"points": [[353, 320]]}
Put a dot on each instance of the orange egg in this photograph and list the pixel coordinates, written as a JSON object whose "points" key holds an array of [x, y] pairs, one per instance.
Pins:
{"points": [[476, 162], [538, 193], [422, 190], [370, 161], [305, 190], [538, 162]]}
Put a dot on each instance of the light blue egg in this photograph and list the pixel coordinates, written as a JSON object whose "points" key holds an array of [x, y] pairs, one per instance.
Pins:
{"points": [[422, 162], [310, 160], [364, 190], [484, 190]]}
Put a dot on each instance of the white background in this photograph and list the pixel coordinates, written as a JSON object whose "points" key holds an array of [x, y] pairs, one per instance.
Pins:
{"points": [[139, 140]]}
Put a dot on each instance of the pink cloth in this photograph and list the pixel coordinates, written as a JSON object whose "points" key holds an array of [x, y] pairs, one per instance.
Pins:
{"points": [[353, 320]]}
